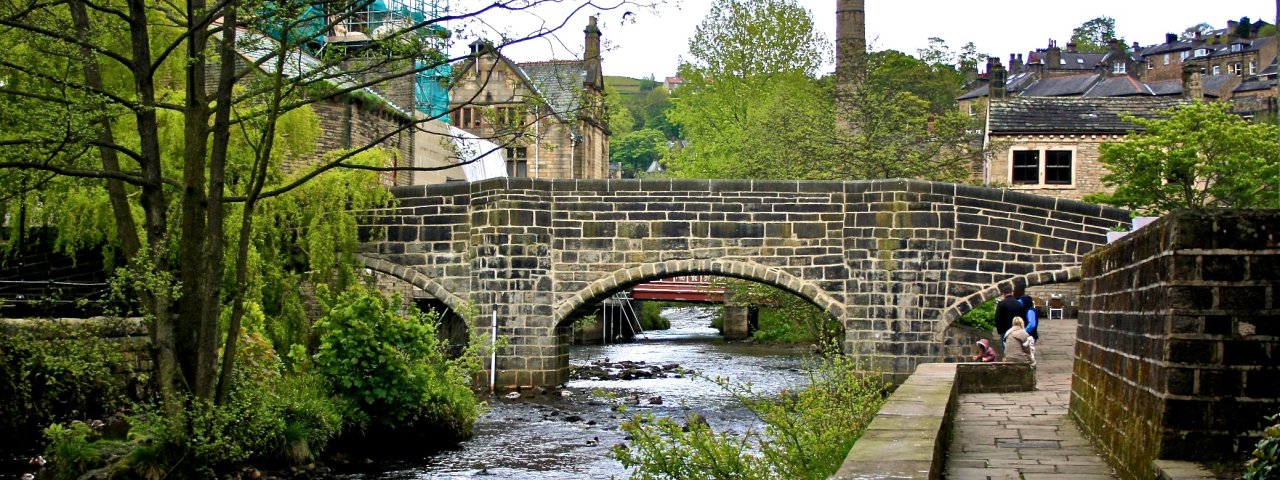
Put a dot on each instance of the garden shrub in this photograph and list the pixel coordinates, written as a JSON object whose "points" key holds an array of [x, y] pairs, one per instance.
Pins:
{"points": [[806, 432], [394, 367], [53, 371], [651, 316], [1265, 463], [981, 317]]}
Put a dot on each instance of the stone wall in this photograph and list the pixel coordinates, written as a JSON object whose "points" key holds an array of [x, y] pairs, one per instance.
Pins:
{"points": [[1179, 332], [129, 334], [896, 261], [1086, 170]]}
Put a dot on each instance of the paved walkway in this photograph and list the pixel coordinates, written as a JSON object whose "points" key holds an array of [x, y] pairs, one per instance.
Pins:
{"points": [[1027, 435]]}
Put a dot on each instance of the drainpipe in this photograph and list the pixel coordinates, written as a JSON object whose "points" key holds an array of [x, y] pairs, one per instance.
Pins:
{"points": [[493, 354], [537, 143]]}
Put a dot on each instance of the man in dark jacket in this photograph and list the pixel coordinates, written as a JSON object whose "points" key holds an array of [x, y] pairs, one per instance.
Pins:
{"points": [[1006, 309]]}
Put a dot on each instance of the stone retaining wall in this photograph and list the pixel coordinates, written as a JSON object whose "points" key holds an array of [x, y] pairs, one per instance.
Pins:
{"points": [[130, 334], [1178, 339]]}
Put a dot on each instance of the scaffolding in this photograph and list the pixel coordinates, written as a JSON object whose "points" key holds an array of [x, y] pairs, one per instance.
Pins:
{"points": [[381, 18]]}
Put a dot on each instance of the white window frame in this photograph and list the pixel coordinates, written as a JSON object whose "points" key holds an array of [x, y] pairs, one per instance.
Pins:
{"points": [[1042, 159], [1217, 69], [1235, 68], [1166, 59], [1184, 54], [1253, 67], [1118, 68]]}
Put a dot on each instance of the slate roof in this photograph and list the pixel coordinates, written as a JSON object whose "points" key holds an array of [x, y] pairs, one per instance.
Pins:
{"points": [[1255, 85], [559, 82], [1217, 85], [1165, 87], [1073, 115], [1118, 87], [1167, 48], [1079, 61], [1061, 86], [1013, 85]]}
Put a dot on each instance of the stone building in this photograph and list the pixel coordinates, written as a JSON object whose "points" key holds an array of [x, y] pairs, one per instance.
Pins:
{"points": [[548, 116], [1049, 145]]}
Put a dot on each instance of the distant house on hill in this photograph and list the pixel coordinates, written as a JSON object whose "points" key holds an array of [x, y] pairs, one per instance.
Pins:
{"points": [[1049, 145], [547, 116]]}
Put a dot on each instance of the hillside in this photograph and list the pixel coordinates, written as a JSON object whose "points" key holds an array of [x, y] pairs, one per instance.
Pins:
{"points": [[630, 87]]}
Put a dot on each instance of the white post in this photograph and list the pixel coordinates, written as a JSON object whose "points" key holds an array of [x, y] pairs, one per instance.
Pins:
{"points": [[493, 354]]}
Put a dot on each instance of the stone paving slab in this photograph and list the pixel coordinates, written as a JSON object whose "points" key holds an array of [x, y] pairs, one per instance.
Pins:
{"points": [[1026, 435]]}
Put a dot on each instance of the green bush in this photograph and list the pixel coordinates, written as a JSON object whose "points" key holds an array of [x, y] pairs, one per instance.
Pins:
{"points": [[981, 317], [53, 372], [651, 316], [806, 433], [1265, 463], [394, 367]]}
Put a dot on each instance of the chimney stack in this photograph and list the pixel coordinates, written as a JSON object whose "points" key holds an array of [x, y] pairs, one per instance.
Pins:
{"points": [[1192, 88], [591, 56], [1170, 38], [1053, 57], [851, 43], [999, 77]]}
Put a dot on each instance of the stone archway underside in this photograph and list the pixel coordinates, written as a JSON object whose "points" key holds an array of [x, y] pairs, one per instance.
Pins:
{"points": [[893, 260]]}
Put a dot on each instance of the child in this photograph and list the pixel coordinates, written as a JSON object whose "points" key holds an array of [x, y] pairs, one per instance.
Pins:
{"points": [[985, 352]]}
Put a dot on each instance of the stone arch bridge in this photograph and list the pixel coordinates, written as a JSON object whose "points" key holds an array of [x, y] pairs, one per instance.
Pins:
{"points": [[895, 260]]}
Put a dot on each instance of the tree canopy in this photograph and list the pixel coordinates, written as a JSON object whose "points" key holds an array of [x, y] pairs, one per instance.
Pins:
{"points": [[1196, 156], [1095, 36], [778, 120]]}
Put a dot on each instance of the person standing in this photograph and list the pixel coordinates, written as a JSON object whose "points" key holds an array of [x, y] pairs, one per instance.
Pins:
{"points": [[1006, 310]]}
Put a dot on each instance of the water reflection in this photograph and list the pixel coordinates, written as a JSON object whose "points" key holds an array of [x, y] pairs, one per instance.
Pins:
{"points": [[570, 437]]}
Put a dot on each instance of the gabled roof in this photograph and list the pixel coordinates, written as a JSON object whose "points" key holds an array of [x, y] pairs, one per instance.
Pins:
{"points": [[1075, 115], [1061, 86], [1013, 85], [1167, 48], [559, 82], [1122, 86]]}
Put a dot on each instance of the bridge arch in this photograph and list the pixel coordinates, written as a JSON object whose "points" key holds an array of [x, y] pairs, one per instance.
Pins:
{"points": [[963, 305], [728, 268], [415, 278]]}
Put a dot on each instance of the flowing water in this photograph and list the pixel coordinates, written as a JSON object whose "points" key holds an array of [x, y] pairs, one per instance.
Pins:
{"points": [[554, 437]]}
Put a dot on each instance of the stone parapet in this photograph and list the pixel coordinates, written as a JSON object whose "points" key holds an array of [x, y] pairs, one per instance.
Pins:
{"points": [[1178, 335]]}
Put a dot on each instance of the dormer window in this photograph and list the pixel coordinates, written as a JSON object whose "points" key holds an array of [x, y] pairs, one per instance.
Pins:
{"points": [[1236, 47], [1117, 68], [1202, 52]]}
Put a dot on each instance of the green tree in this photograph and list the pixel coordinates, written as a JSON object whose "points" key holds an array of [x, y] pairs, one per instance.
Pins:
{"points": [[150, 118], [1094, 36], [1196, 156], [1199, 29], [620, 119], [637, 150], [1244, 28]]}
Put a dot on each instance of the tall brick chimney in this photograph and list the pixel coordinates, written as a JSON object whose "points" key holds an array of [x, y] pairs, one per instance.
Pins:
{"points": [[591, 56], [1015, 64], [851, 43]]}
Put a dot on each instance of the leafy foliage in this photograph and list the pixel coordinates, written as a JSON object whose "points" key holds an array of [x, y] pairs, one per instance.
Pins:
{"points": [[981, 317], [806, 432], [395, 367], [57, 372], [651, 316], [637, 150], [1265, 463], [901, 123], [1195, 156], [787, 318], [1094, 36]]}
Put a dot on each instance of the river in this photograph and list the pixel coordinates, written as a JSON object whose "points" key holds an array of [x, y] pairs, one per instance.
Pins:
{"points": [[554, 437]]}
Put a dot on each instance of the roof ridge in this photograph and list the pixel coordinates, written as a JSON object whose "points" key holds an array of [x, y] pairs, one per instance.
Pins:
{"points": [[548, 62]]}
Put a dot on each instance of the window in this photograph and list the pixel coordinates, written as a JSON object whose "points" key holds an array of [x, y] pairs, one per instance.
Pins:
{"points": [[1057, 167], [1026, 167], [1201, 52], [1166, 59], [517, 161], [1217, 69], [1235, 68], [509, 117], [466, 117], [1184, 54], [1236, 47], [1117, 67], [1253, 67]]}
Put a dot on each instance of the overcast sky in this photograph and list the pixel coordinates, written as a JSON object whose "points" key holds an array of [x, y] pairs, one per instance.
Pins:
{"points": [[651, 43]]}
